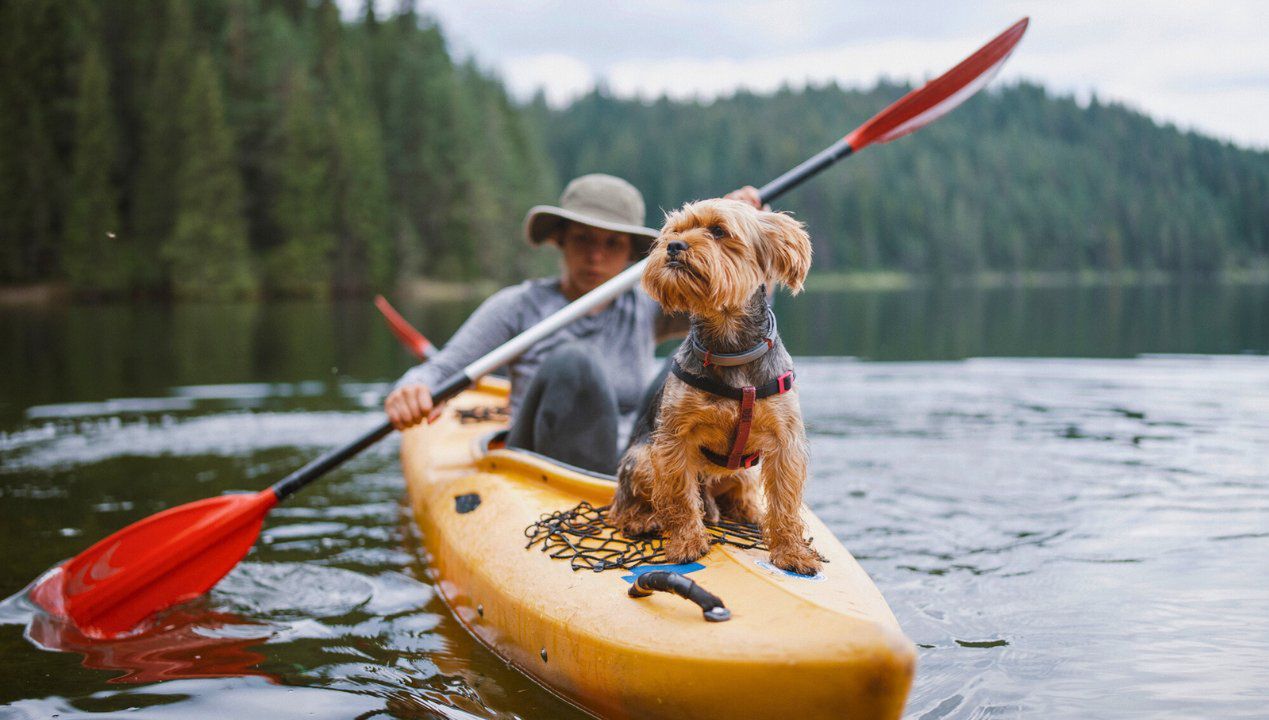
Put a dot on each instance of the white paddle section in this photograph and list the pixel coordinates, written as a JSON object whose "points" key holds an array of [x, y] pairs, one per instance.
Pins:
{"points": [[575, 310]]}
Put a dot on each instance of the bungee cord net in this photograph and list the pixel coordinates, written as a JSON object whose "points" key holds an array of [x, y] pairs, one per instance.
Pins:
{"points": [[583, 536]]}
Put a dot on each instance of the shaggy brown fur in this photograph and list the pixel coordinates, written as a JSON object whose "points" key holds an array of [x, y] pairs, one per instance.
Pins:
{"points": [[665, 484]]}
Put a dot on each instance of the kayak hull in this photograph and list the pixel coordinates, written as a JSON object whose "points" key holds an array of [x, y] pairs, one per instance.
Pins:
{"points": [[827, 646]]}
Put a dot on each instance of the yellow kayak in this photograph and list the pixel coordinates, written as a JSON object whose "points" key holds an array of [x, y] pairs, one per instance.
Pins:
{"points": [[794, 646]]}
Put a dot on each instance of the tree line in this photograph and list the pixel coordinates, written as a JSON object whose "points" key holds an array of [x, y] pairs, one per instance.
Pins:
{"points": [[1015, 180], [237, 148], [232, 148]]}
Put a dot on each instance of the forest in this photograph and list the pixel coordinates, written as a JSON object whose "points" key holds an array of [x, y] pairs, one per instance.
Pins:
{"points": [[245, 148], [233, 148], [1014, 180]]}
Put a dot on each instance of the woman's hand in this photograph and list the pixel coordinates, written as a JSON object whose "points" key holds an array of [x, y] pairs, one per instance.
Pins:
{"points": [[748, 195], [409, 405]]}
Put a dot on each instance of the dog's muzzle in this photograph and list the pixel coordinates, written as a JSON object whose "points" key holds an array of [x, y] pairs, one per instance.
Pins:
{"points": [[674, 248]]}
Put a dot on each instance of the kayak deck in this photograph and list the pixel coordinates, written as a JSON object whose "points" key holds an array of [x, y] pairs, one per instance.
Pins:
{"points": [[795, 646]]}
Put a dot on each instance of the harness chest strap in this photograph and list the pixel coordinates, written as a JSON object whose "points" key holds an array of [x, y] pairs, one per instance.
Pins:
{"points": [[747, 396]]}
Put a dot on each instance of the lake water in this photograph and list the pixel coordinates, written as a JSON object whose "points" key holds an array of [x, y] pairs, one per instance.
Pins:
{"points": [[1063, 494]]}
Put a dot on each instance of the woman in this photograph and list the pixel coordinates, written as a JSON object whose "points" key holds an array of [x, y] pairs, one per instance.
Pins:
{"points": [[575, 393]]}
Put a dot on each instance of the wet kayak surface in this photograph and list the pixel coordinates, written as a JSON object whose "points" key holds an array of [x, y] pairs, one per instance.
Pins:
{"points": [[1060, 537]]}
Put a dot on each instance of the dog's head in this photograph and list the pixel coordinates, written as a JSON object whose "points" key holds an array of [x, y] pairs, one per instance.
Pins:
{"points": [[713, 255]]}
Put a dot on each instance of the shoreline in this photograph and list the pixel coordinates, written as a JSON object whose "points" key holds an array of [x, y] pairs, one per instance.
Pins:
{"points": [[423, 289], [886, 280]]}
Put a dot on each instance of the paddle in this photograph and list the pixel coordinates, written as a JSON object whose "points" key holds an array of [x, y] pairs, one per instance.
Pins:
{"points": [[412, 339], [180, 553]]}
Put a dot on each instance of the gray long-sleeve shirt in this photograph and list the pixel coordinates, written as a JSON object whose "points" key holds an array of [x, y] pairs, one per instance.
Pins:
{"points": [[624, 334]]}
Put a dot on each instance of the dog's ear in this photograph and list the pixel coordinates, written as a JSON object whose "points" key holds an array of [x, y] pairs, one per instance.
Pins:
{"points": [[786, 249]]}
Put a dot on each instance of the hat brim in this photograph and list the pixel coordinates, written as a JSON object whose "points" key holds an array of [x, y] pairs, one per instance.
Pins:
{"points": [[542, 220]]}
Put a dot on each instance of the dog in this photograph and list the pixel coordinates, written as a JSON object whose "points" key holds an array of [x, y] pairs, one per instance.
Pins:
{"points": [[729, 404]]}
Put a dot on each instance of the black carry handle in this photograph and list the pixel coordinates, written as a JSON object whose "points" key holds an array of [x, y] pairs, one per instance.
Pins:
{"points": [[666, 581]]}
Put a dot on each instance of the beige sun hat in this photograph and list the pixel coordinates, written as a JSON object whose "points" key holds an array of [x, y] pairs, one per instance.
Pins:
{"points": [[598, 200]]}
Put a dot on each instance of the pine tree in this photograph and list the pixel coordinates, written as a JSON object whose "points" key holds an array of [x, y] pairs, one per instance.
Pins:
{"points": [[427, 147], [363, 260], [304, 210], [94, 255], [40, 47], [207, 252], [154, 200]]}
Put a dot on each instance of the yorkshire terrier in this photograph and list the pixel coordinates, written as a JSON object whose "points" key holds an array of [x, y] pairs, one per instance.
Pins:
{"points": [[729, 404]]}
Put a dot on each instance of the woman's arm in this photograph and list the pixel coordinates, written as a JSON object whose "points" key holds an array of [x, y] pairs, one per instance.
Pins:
{"points": [[493, 323]]}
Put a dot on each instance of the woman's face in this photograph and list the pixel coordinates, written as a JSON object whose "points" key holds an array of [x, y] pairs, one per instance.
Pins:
{"points": [[592, 256]]}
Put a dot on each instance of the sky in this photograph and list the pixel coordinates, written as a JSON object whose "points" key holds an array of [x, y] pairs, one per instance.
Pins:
{"points": [[1200, 65]]}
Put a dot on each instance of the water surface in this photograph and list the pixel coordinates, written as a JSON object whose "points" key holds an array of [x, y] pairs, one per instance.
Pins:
{"points": [[1063, 496]]}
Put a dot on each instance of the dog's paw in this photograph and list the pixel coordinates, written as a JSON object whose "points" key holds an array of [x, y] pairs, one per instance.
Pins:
{"points": [[636, 525], [745, 514], [798, 558], [686, 547]]}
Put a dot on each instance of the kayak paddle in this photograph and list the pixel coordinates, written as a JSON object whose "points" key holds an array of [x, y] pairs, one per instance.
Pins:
{"points": [[412, 339], [911, 112], [180, 553]]}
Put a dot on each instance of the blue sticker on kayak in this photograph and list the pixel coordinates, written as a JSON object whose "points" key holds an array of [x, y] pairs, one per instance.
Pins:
{"points": [[817, 577], [683, 569]]}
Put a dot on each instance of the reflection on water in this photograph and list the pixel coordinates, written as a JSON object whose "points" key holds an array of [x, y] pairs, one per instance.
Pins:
{"points": [[953, 323], [1062, 538], [187, 642]]}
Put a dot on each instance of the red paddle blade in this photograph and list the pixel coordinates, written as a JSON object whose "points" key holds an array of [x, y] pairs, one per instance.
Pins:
{"points": [[941, 95], [154, 563], [405, 332]]}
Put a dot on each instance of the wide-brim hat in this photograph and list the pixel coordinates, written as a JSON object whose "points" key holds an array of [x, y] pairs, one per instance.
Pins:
{"points": [[602, 201]]}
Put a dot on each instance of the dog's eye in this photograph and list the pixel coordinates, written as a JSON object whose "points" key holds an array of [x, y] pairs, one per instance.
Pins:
{"points": [[716, 231]]}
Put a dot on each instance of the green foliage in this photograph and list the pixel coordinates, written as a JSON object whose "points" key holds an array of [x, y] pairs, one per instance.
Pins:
{"points": [[208, 252], [312, 154], [38, 64], [155, 181], [248, 146], [94, 257], [1015, 180], [427, 148], [363, 207], [304, 213]]}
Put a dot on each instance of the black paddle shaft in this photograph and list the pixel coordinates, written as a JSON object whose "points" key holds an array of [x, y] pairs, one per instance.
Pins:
{"points": [[808, 169], [333, 459]]}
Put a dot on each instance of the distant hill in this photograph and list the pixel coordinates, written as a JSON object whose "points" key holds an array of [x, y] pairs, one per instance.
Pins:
{"points": [[1014, 180]]}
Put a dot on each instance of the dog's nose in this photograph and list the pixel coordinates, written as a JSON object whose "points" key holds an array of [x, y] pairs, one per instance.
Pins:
{"points": [[675, 247]]}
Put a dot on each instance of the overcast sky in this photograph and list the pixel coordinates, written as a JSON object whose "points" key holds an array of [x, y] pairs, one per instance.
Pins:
{"points": [[1201, 65]]}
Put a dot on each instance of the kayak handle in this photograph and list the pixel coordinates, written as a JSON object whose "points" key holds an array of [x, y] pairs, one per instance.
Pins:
{"points": [[666, 581]]}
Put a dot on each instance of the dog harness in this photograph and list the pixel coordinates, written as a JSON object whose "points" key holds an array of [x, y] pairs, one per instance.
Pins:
{"points": [[736, 458]]}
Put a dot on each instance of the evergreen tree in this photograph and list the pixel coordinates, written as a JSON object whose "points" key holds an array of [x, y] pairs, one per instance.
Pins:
{"points": [[427, 146], [40, 47], [94, 256], [304, 210], [154, 201], [1014, 180], [359, 151], [207, 252], [363, 260]]}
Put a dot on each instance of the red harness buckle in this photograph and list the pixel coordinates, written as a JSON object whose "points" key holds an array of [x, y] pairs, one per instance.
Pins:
{"points": [[783, 383]]}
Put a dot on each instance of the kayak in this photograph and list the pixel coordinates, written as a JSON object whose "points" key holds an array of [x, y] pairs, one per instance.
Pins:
{"points": [[496, 526]]}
